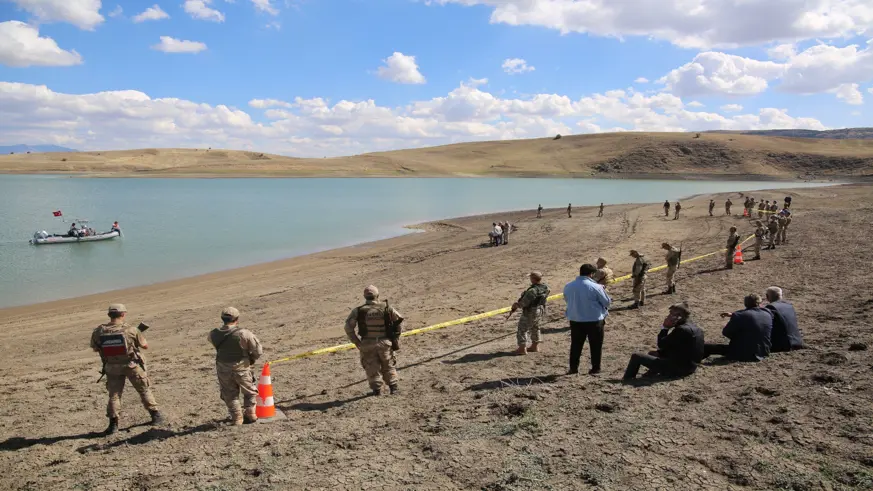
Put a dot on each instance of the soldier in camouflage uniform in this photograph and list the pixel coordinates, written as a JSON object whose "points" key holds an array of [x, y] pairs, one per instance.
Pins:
{"points": [[672, 258], [727, 206], [120, 345], [678, 208], [732, 243], [639, 274], [533, 308], [236, 350], [377, 356], [711, 206], [604, 275], [773, 228], [782, 222], [760, 232], [761, 208]]}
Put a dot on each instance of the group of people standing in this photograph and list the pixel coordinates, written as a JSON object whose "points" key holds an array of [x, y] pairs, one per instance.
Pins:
{"points": [[500, 232]]}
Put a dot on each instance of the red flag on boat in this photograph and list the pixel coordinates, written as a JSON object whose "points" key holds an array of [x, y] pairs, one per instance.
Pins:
{"points": [[57, 213]]}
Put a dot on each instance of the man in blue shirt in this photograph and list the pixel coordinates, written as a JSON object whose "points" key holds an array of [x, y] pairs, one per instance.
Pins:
{"points": [[587, 308]]}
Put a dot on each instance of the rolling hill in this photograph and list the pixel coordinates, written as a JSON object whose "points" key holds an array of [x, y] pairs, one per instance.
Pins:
{"points": [[13, 149]]}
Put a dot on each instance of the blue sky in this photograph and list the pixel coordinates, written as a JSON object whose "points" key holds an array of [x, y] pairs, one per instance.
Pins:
{"points": [[107, 86]]}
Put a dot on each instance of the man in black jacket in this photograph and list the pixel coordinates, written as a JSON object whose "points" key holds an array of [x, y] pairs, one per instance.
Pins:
{"points": [[679, 351], [749, 331], [786, 334]]}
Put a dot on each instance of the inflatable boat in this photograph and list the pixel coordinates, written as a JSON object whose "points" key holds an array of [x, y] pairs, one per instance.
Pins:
{"points": [[40, 238]]}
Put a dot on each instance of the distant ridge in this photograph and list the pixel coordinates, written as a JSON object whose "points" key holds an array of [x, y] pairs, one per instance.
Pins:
{"points": [[840, 134], [6, 150]]}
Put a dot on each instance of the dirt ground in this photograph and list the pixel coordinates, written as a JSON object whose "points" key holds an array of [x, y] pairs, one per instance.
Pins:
{"points": [[471, 416]]}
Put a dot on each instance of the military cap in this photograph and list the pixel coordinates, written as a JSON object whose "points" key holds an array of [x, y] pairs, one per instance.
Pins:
{"points": [[117, 307], [371, 291], [230, 313]]}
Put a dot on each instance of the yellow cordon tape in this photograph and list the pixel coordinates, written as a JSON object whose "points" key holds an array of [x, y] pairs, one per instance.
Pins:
{"points": [[472, 318]]}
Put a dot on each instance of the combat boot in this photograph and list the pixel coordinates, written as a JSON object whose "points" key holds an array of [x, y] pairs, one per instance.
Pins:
{"points": [[534, 348], [642, 303], [237, 419], [376, 392], [522, 350], [636, 305], [250, 416], [157, 418], [395, 390], [112, 428]]}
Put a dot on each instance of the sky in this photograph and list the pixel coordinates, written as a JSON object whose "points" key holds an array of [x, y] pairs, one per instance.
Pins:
{"points": [[316, 78]]}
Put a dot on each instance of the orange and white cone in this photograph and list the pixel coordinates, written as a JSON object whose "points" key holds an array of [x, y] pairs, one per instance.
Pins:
{"points": [[738, 256], [265, 409]]}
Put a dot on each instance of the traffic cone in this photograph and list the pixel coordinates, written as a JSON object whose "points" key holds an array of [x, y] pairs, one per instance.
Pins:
{"points": [[738, 256], [266, 410]]}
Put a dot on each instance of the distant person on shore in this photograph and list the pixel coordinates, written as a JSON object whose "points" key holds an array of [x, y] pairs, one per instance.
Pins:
{"points": [[749, 331], [604, 275], [666, 208], [600, 212], [732, 243], [787, 202], [679, 351], [540, 211], [760, 232], [639, 273], [496, 234], [587, 309], [374, 340], [678, 209], [761, 207], [774, 207], [672, 258], [533, 308], [727, 206], [786, 335], [711, 206], [746, 206], [773, 228], [781, 222], [569, 210], [236, 350], [507, 229]]}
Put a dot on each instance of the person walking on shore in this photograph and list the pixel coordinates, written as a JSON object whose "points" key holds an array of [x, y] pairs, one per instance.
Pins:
{"points": [[540, 211], [375, 339], [569, 210], [672, 258], [666, 208], [727, 206], [600, 212], [678, 208], [236, 350], [732, 243], [533, 308], [639, 273], [587, 309], [120, 346], [711, 206]]}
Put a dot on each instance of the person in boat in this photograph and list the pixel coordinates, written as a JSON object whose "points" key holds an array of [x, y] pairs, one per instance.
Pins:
{"points": [[115, 227], [74, 231]]}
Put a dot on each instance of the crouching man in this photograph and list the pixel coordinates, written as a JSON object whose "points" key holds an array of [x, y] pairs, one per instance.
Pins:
{"points": [[680, 347]]}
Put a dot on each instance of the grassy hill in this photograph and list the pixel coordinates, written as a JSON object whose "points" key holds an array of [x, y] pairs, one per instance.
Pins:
{"points": [[603, 155]]}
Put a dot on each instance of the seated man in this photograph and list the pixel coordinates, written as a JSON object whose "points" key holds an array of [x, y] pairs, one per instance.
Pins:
{"points": [[73, 232], [679, 351], [115, 227], [749, 331], [786, 334]]}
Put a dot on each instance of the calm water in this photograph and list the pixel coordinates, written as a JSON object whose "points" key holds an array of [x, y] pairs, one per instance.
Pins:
{"points": [[175, 228]]}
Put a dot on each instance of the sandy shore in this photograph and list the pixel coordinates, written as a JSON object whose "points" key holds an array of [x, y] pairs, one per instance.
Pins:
{"points": [[470, 417]]}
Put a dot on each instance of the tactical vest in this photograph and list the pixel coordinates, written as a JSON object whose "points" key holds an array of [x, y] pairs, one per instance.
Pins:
{"points": [[643, 265], [759, 233], [542, 295], [371, 320], [673, 257], [114, 345], [227, 345]]}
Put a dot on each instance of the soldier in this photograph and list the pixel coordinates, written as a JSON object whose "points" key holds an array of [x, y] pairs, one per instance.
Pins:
{"points": [[639, 273], [785, 228], [760, 232], [600, 213], [727, 206], [666, 208], [711, 206], [604, 275], [751, 206], [119, 345], [533, 307], [678, 208], [746, 206], [732, 243], [375, 340], [540, 211], [236, 350], [672, 258], [761, 208], [774, 207], [782, 222], [506, 230], [773, 228], [569, 210]]}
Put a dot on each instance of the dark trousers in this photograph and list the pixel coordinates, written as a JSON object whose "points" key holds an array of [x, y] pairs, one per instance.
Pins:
{"points": [[715, 349], [579, 331], [656, 366]]}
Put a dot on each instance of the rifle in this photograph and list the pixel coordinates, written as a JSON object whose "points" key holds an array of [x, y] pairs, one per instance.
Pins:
{"points": [[392, 328], [143, 327]]}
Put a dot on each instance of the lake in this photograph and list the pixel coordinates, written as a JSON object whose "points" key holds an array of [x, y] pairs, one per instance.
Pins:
{"points": [[174, 228]]}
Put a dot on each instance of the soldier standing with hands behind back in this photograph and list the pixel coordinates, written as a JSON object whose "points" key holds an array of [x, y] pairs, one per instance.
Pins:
{"points": [[119, 345], [378, 329], [236, 350], [533, 308]]}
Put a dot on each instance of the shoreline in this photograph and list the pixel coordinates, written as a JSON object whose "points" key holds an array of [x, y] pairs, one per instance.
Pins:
{"points": [[417, 230]]}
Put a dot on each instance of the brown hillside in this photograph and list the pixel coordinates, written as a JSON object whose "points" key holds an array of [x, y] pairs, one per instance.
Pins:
{"points": [[603, 155]]}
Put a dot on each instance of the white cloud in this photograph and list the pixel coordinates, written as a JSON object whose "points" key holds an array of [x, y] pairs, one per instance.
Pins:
{"points": [[22, 46], [689, 23], [870, 90], [782, 52], [200, 9], [265, 6], [173, 45], [516, 65], [152, 13], [116, 12], [313, 127], [401, 69], [476, 82], [822, 68], [732, 108], [84, 14], [268, 103], [849, 94], [274, 25], [720, 73], [641, 80], [696, 104]]}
